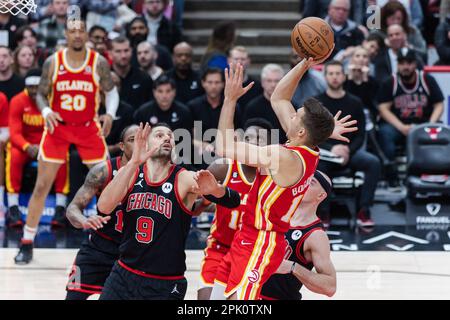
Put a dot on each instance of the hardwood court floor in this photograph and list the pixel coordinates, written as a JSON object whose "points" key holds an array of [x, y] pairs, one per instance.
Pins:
{"points": [[361, 275]]}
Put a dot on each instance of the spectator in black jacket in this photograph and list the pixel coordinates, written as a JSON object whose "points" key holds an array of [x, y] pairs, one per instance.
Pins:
{"points": [[162, 31], [165, 108], [10, 24], [136, 84], [186, 78], [346, 32], [137, 32], [352, 153], [442, 42], [386, 61]]}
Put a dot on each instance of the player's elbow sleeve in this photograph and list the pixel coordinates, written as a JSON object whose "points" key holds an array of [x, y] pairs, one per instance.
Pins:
{"points": [[112, 102]]}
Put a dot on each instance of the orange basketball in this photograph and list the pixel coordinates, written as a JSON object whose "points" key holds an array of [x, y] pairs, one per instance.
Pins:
{"points": [[312, 37]]}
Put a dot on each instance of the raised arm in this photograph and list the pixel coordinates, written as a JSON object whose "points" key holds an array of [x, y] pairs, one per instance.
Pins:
{"points": [[118, 188], [95, 180], [45, 86], [111, 95]]}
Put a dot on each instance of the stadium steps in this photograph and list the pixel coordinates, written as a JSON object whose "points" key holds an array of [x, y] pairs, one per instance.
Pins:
{"points": [[263, 27]]}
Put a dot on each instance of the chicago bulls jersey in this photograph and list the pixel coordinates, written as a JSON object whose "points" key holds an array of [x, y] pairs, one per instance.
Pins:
{"points": [[227, 221], [156, 225], [112, 230], [75, 92], [287, 286], [269, 206]]}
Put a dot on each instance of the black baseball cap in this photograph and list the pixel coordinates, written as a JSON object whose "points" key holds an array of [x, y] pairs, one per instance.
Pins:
{"points": [[406, 54]]}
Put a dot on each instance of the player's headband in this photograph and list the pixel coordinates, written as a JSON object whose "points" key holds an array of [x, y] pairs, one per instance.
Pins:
{"points": [[323, 182], [32, 81]]}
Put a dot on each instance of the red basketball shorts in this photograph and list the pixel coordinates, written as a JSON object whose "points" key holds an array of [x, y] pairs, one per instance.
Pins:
{"points": [[86, 137], [254, 256], [214, 254]]}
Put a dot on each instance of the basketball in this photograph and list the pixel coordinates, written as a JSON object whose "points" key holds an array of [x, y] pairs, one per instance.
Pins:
{"points": [[312, 37]]}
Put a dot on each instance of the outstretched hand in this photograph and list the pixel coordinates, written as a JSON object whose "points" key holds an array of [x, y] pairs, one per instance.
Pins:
{"points": [[234, 78], [309, 62], [207, 184], [343, 126], [141, 150]]}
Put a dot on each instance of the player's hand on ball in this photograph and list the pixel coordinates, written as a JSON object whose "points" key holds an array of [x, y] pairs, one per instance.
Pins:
{"points": [[51, 121], [234, 77], [95, 222], [107, 121], [342, 126]]}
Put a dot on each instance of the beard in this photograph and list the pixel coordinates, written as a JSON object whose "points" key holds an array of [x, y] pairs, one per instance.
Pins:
{"points": [[136, 39], [407, 77]]}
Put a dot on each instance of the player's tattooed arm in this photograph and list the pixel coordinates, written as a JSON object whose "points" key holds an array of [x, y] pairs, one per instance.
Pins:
{"points": [[95, 180], [104, 72], [45, 84]]}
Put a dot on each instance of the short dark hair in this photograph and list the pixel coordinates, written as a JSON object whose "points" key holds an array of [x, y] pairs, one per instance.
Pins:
{"points": [[376, 37], [164, 79], [262, 123], [95, 28], [21, 31], [120, 39], [333, 63], [124, 131], [318, 122], [213, 70]]}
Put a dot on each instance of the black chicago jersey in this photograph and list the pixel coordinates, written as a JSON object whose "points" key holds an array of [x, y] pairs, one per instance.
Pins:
{"points": [[156, 225], [287, 286], [112, 230], [415, 104]]}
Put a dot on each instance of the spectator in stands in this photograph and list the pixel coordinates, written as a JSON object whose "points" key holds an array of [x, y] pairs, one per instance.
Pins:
{"points": [[26, 36], [374, 43], [26, 126], [354, 156], [412, 8], [239, 54], [386, 60], [137, 31], [124, 118], [10, 83], [136, 88], [206, 109], [395, 13], [45, 9], [346, 32], [51, 30], [360, 83], [165, 108], [187, 80], [179, 9], [442, 42], [407, 98], [319, 8], [24, 60], [10, 24], [312, 83], [147, 55], [102, 12], [260, 106], [4, 137], [98, 37], [162, 31], [219, 44]]}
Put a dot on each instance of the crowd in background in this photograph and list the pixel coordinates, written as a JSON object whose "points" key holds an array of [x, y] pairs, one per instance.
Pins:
{"points": [[159, 81]]}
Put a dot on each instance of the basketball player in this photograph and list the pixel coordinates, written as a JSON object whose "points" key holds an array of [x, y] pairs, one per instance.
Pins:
{"points": [[226, 221], [283, 176], [69, 97], [26, 128], [157, 199], [307, 247], [97, 255]]}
